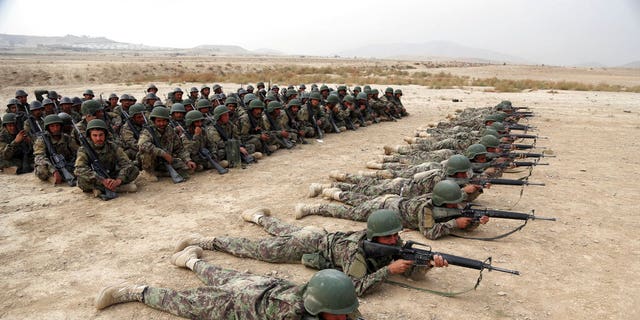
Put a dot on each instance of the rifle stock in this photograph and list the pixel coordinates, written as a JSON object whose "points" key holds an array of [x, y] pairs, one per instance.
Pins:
{"points": [[96, 166]]}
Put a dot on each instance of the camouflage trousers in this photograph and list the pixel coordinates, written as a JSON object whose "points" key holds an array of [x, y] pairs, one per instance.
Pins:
{"points": [[362, 210], [288, 245], [417, 157], [44, 171], [371, 188], [432, 145], [88, 184], [152, 163], [228, 294], [17, 163]]}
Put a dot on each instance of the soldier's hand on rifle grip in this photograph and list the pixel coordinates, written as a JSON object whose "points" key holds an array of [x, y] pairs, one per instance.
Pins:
{"points": [[284, 134], [244, 151], [484, 219], [192, 165], [400, 266], [463, 222], [20, 136], [471, 188], [438, 261], [264, 137], [167, 157]]}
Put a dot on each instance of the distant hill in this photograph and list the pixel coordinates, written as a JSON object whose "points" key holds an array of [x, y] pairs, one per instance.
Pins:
{"points": [[221, 49], [431, 50], [632, 64]]}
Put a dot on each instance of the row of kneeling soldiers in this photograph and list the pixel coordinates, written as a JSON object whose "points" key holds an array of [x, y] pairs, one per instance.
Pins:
{"points": [[103, 146], [425, 186]]}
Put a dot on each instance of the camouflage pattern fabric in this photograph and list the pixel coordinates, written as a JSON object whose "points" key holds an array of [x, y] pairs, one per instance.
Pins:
{"points": [[128, 140], [15, 154], [64, 146], [112, 158], [170, 143]]}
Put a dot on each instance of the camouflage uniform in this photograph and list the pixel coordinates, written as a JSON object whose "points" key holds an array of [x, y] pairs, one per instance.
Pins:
{"points": [[112, 158], [196, 143], [64, 146], [279, 125], [313, 247], [306, 122], [416, 213], [169, 143], [129, 140], [15, 154], [398, 162], [230, 294], [248, 134], [27, 126], [459, 144]]}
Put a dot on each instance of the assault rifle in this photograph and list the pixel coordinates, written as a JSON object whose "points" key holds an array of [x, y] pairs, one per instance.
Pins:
{"points": [[58, 160], [295, 125], [422, 257], [516, 146], [505, 182], [175, 176], [520, 127], [332, 121], [274, 133], [476, 214], [96, 166], [127, 119], [253, 128], [319, 132], [522, 155], [525, 136], [203, 152]]}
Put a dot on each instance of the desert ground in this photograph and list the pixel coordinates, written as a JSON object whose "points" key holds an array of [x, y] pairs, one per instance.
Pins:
{"points": [[59, 247]]}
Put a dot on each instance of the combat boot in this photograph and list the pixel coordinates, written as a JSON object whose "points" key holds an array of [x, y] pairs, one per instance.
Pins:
{"points": [[332, 193], [148, 176], [410, 140], [257, 155], [195, 240], [272, 148], [338, 176], [303, 210], [254, 215], [10, 170], [390, 150], [316, 188], [181, 258], [384, 174], [119, 294], [424, 134], [224, 164], [129, 187], [374, 165]]}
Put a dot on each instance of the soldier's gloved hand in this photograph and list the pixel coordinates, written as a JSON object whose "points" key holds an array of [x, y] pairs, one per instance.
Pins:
{"points": [[438, 261], [400, 266], [463, 222]]}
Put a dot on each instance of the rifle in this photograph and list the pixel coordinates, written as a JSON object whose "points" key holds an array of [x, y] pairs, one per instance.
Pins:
{"points": [[127, 119], [274, 134], [505, 182], [476, 214], [520, 127], [175, 176], [522, 155], [516, 146], [34, 129], [332, 121], [203, 152], [244, 158], [421, 257], [58, 160], [265, 147], [525, 136], [320, 134], [294, 125], [96, 166]]}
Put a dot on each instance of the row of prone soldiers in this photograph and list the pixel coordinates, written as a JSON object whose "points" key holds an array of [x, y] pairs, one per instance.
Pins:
{"points": [[177, 137], [425, 186]]}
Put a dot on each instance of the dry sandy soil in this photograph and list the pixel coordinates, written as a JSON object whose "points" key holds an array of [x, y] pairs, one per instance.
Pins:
{"points": [[59, 247]]}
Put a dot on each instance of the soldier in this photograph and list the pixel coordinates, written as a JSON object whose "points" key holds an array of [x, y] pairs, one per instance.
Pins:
{"points": [[230, 294], [188, 105], [131, 130], [175, 98], [149, 101], [335, 116], [459, 142], [276, 128], [351, 114], [397, 94], [77, 105], [48, 107], [310, 111], [291, 120], [223, 130], [88, 95], [13, 107], [302, 88], [169, 148], [204, 106], [367, 115], [23, 105], [204, 92], [428, 213], [151, 88], [381, 108], [250, 89], [251, 129], [66, 106], [34, 122], [121, 171], [195, 138], [324, 92], [91, 109], [193, 94], [217, 89], [390, 100], [113, 102], [178, 113], [16, 153], [62, 144], [318, 249]]}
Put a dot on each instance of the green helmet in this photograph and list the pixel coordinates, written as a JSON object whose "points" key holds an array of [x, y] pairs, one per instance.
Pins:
{"points": [[491, 117], [136, 108], [35, 105], [446, 191], [374, 91], [248, 98], [330, 291], [88, 92], [349, 99], [192, 116], [230, 100], [160, 113], [270, 96], [294, 102], [333, 99], [219, 111], [204, 86], [9, 118], [457, 163], [273, 105], [388, 90], [357, 88], [187, 102], [383, 222], [490, 141], [177, 107], [256, 104], [90, 107], [367, 88], [315, 96], [490, 132], [260, 84], [12, 102], [96, 124], [342, 88], [500, 116], [397, 91], [498, 126], [362, 96], [51, 119], [151, 86], [474, 150], [203, 103], [46, 101], [21, 93], [323, 88]]}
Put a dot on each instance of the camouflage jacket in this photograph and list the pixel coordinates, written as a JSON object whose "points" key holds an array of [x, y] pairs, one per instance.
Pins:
{"points": [[307, 111], [111, 157], [128, 139], [169, 142], [246, 131], [28, 129], [419, 213], [193, 143], [229, 131], [64, 146], [11, 150]]}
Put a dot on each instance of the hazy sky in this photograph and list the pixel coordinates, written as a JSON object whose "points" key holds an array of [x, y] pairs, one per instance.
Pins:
{"points": [[542, 31]]}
